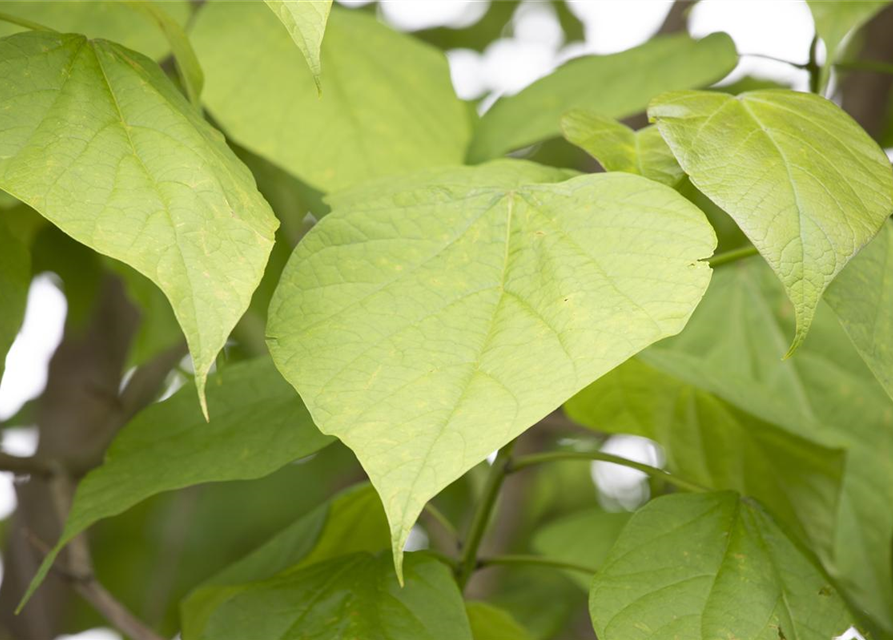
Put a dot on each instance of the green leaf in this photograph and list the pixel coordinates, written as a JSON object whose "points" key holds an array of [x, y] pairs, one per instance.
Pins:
{"points": [[706, 566], [826, 394], [15, 278], [634, 77], [184, 57], [305, 21], [584, 538], [619, 148], [112, 20], [99, 141], [492, 623], [260, 425], [803, 181], [352, 596], [835, 19], [419, 319], [352, 522], [368, 123], [715, 444], [862, 298]]}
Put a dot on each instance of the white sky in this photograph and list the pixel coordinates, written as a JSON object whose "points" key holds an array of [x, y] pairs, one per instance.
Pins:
{"points": [[535, 46]]}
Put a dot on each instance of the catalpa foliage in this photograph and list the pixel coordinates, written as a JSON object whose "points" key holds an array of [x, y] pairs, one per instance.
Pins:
{"points": [[378, 288]]}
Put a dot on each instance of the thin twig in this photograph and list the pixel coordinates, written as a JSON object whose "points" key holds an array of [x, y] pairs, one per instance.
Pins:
{"points": [[481, 518], [32, 465], [554, 456], [22, 22], [732, 256], [533, 560]]}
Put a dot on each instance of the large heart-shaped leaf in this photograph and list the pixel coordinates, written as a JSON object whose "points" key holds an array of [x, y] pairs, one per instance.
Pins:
{"points": [[813, 396], [617, 86], [862, 299], [260, 425], [375, 118], [708, 566], [806, 184], [717, 445], [351, 596], [98, 140], [305, 21], [429, 320]]}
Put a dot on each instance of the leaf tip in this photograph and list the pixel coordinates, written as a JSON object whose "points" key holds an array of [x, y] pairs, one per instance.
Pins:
{"points": [[200, 381]]}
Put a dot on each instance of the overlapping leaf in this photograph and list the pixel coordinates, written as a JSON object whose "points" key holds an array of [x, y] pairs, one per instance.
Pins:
{"points": [[352, 522], [862, 299], [260, 425], [806, 184], [388, 107], [350, 596], [305, 21], [429, 320], [717, 445], [664, 64], [619, 148], [706, 566], [826, 394], [97, 139], [109, 19]]}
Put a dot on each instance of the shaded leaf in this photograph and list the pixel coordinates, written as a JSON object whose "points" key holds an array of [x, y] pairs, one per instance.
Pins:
{"points": [[584, 538], [366, 124], [100, 142], [15, 278], [351, 596], [352, 522], [803, 181], [835, 19], [634, 77], [260, 425], [492, 623], [705, 566], [715, 444], [305, 21], [826, 394], [619, 148], [423, 308], [112, 20], [862, 298]]}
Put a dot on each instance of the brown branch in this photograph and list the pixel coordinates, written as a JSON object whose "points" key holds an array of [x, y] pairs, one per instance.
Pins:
{"points": [[32, 466]]}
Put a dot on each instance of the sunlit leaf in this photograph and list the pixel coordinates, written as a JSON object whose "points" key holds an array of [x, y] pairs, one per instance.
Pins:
{"points": [[259, 425], [806, 184], [615, 86], [388, 105], [420, 318], [706, 566], [305, 21], [350, 596], [619, 148], [104, 146]]}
